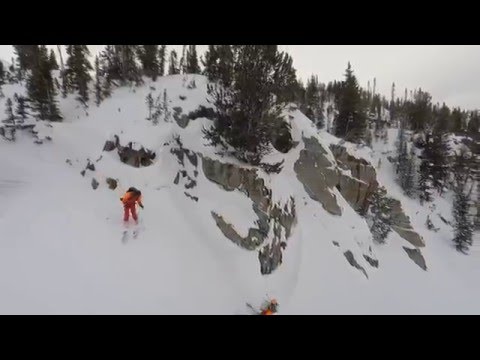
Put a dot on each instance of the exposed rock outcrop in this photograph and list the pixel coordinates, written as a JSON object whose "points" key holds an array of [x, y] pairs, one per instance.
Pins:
{"points": [[361, 184], [318, 175], [358, 188], [275, 222], [417, 257]]}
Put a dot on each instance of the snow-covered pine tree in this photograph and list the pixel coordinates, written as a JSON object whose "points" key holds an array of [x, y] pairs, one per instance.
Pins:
{"points": [[40, 86], [463, 225], [351, 120], [192, 66], [162, 54], [22, 108], [148, 55], [77, 72], [172, 64], [379, 215]]}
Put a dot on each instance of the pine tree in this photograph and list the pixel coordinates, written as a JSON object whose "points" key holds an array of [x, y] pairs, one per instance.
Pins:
{"points": [[165, 107], [173, 67], [285, 80], [209, 62], [10, 119], [192, 66], [425, 182], [2, 74], [53, 61], [129, 70], [420, 111], [312, 98], [98, 83], [150, 103], [457, 120], [148, 55], [434, 166], [120, 66], [474, 123], [106, 68], [219, 64], [392, 107], [408, 181], [350, 122], [22, 108], [77, 71], [162, 53], [40, 86], [379, 216], [26, 59], [442, 120], [463, 225], [405, 163], [2, 79], [183, 61], [246, 111]]}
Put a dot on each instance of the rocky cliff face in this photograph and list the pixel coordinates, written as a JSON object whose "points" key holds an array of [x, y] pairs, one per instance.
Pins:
{"points": [[273, 228], [358, 186], [353, 177]]}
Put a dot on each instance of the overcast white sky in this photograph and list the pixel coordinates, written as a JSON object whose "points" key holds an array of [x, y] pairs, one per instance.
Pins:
{"points": [[451, 73]]}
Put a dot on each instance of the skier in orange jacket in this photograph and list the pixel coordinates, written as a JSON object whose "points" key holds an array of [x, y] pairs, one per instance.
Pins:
{"points": [[130, 199], [271, 308]]}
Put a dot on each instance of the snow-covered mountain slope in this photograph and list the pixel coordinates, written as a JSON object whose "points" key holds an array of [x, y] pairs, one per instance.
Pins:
{"points": [[197, 249]]}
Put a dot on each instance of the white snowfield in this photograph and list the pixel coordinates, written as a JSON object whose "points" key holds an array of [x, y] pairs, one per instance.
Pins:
{"points": [[60, 240]]}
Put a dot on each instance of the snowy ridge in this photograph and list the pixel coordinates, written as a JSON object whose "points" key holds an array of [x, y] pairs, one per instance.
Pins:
{"points": [[62, 252]]}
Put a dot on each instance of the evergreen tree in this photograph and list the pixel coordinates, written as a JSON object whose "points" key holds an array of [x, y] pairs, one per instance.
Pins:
{"points": [[183, 60], [457, 120], [442, 121], [129, 70], [40, 86], [379, 216], [110, 67], [148, 55], [285, 81], [2, 79], [425, 182], [120, 66], [312, 99], [219, 64], [247, 110], [26, 59], [98, 82], [192, 66], [53, 61], [150, 104], [474, 123], [10, 118], [2, 74], [165, 107], [405, 163], [393, 110], [463, 225], [77, 71], [210, 61], [420, 111], [162, 53], [434, 166], [106, 65], [350, 122], [173, 67], [409, 177], [22, 108]]}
